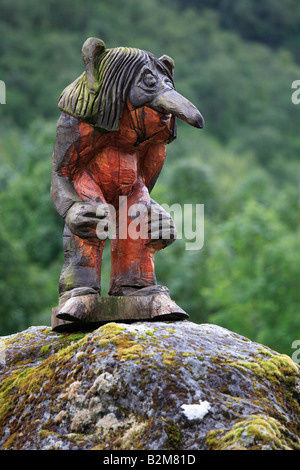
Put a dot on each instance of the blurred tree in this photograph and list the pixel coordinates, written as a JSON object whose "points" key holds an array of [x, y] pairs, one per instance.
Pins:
{"points": [[253, 275], [271, 22], [26, 290], [27, 209], [236, 61]]}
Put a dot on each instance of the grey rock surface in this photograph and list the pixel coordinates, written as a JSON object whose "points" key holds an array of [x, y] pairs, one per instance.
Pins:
{"points": [[146, 386]]}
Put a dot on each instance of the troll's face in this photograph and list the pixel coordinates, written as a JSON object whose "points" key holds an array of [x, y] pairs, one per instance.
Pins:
{"points": [[154, 87], [114, 76]]}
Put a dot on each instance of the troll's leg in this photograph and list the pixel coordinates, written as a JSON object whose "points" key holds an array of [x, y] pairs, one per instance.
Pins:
{"points": [[137, 239], [81, 273], [82, 266], [132, 260]]}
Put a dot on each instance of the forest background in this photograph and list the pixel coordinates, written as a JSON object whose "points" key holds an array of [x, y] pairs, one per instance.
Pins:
{"points": [[236, 61]]}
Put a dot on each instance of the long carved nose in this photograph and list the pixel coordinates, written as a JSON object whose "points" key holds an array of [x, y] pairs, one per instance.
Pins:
{"points": [[171, 102]]}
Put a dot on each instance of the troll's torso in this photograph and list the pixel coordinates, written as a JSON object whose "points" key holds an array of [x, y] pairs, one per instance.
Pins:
{"points": [[107, 165]]}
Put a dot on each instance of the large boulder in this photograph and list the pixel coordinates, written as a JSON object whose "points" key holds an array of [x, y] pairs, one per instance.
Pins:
{"points": [[146, 386]]}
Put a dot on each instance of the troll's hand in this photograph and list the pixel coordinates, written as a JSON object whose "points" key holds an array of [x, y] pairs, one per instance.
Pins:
{"points": [[88, 220]]}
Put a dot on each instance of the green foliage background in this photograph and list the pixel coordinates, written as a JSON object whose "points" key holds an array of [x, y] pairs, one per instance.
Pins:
{"points": [[236, 61]]}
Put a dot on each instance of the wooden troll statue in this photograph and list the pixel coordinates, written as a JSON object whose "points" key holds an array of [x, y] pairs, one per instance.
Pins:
{"points": [[110, 147]]}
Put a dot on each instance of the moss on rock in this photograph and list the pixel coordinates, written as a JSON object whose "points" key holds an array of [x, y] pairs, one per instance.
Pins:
{"points": [[256, 432], [128, 386]]}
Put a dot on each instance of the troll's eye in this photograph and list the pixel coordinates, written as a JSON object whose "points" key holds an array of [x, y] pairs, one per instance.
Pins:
{"points": [[149, 80]]}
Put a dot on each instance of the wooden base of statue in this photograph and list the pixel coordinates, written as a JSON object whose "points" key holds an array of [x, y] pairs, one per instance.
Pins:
{"points": [[88, 312]]}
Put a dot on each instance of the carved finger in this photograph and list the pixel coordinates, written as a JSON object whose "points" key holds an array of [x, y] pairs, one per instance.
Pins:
{"points": [[94, 221], [102, 213]]}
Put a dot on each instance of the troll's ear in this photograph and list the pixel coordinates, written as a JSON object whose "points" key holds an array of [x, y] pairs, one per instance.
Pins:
{"points": [[91, 50], [168, 63]]}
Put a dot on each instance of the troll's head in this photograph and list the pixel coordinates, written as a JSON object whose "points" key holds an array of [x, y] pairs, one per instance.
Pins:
{"points": [[112, 76]]}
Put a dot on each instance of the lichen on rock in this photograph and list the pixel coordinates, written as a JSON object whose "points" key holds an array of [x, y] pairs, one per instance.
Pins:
{"points": [[146, 386]]}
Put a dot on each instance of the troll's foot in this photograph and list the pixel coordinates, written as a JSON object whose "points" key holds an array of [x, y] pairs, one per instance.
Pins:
{"points": [[89, 311]]}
